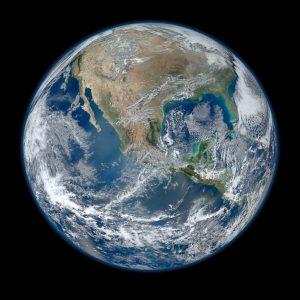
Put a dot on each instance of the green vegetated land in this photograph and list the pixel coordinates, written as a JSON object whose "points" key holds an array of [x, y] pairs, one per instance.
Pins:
{"points": [[190, 171]]}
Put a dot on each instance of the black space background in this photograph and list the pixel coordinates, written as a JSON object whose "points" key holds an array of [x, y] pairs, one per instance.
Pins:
{"points": [[38, 37]]}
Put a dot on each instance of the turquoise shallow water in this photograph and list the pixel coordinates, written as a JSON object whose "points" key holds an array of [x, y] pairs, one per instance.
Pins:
{"points": [[107, 155], [102, 152], [187, 106], [219, 101], [160, 195], [106, 149]]}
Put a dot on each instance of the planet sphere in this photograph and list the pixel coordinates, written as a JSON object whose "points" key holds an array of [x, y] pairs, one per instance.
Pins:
{"points": [[149, 146]]}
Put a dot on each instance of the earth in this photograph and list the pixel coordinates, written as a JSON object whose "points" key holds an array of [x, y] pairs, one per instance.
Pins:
{"points": [[149, 146]]}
